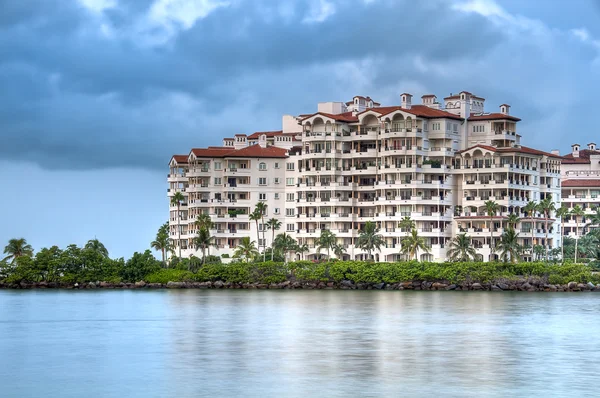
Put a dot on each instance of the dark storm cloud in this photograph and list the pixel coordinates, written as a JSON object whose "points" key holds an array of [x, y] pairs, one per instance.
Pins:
{"points": [[72, 97]]}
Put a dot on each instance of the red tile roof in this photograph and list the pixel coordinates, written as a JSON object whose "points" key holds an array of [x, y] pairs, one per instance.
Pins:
{"points": [[211, 152], [182, 159], [269, 134], [256, 151], [584, 157], [580, 183], [522, 149], [417, 110], [492, 116], [342, 117]]}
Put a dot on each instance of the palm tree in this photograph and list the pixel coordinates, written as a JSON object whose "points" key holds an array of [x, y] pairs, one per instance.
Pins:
{"points": [[369, 238], [96, 246], [577, 212], [407, 224], [17, 248], [509, 245], [286, 244], [594, 219], [538, 250], [162, 242], [530, 208], [203, 221], [255, 216], [203, 240], [412, 243], [326, 241], [261, 207], [302, 249], [177, 199], [546, 206], [512, 220], [491, 208], [339, 250], [562, 212], [461, 249], [273, 224], [246, 249]]}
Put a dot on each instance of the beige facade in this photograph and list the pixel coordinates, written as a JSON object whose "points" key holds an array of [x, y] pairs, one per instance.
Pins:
{"points": [[354, 162]]}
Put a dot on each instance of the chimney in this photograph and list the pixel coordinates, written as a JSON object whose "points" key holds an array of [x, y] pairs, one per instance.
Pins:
{"points": [[555, 152], [592, 146], [262, 140], [406, 100], [575, 150], [504, 109]]}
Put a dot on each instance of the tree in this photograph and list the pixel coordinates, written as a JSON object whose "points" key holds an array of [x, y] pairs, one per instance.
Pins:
{"points": [[530, 208], [509, 246], [256, 216], [246, 249], [369, 239], [203, 240], [162, 242], [546, 206], [261, 207], [512, 220], [339, 250], [326, 241], [407, 224], [96, 246], [412, 243], [562, 212], [286, 244], [176, 200], [273, 224], [17, 248], [203, 221], [461, 249], [491, 208], [538, 250], [588, 246], [594, 219], [303, 248], [577, 212]]}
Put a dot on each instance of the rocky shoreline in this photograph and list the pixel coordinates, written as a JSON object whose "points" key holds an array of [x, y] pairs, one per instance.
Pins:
{"points": [[531, 285]]}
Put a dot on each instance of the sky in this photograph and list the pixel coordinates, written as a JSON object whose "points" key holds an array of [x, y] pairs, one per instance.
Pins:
{"points": [[96, 95]]}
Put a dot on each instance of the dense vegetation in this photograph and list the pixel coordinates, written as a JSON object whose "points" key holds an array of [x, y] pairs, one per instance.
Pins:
{"points": [[91, 263]]}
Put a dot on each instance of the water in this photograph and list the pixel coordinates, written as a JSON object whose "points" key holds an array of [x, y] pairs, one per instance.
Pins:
{"points": [[191, 343]]}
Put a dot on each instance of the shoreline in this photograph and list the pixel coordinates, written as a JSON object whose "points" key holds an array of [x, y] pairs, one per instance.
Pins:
{"points": [[523, 285]]}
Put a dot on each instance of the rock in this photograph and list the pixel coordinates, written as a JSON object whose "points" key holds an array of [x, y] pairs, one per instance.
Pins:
{"points": [[525, 286], [330, 284], [347, 284], [218, 285], [407, 285], [439, 286], [426, 285], [476, 286], [91, 285], [582, 286], [572, 285], [174, 285], [451, 287], [502, 286], [379, 286], [550, 288], [591, 286], [496, 288], [140, 284]]}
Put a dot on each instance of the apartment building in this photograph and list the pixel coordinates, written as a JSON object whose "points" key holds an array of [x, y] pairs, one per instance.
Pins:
{"points": [[580, 172], [357, 161]]}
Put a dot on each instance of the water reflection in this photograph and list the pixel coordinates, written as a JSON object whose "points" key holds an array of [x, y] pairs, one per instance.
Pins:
{"points": [[297, 343]]}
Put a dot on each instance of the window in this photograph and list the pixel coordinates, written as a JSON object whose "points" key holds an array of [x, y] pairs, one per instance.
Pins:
{"points": [[276, 210], [218, 181], [289, 181], [262, 181], [276, 165], [289, 197], [218, 166], [262, 166], [290, 227], [276, 196], [289, 166], [261, 242], [261, 227], [290, 212], [276, 180], [262, 196]]}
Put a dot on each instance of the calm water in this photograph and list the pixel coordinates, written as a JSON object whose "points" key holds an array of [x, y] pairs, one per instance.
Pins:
{"points": [[192, 343]]}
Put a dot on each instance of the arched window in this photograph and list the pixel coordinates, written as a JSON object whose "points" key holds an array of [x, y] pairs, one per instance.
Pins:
{"points": [[262, 166]]}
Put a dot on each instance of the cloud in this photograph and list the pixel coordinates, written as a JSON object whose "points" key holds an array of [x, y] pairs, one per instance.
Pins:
{"points": [[129, 83]]}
